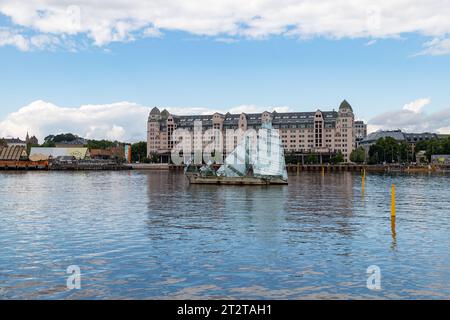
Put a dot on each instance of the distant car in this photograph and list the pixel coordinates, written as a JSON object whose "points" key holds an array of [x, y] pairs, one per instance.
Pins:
{"points": [[137, 162]]}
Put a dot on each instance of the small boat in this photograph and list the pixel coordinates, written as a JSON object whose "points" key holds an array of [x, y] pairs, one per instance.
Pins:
{"points": [[257, 160]]}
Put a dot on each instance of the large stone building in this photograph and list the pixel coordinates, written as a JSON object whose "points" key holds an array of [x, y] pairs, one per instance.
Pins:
{"points": [[319, 132]]}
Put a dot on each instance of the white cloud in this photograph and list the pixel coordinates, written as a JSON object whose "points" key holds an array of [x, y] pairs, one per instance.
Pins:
{"points": [[436, 47], [417, 105], [250, 108], [121, 121], [105, 21], [372, 128], [11, 38], [444, 130], [411, 118]]}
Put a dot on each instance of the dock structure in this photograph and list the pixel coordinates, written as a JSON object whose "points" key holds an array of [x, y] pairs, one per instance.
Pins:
{"points": [[297, 168], [91, 165], [23, 165], [16, 158]]}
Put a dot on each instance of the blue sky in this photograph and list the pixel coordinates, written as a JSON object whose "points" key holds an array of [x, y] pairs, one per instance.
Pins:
{"points": [[182, 69]]}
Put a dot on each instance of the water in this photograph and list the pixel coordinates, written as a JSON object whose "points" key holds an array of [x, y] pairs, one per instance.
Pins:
{"points": [[149, 235]]}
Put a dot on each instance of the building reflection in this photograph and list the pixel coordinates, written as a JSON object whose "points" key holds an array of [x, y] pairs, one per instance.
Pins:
{"points": [[311, 201], [173, 203]]}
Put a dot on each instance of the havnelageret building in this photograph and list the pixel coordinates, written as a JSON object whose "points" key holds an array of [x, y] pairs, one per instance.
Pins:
{"points": [[319, 132]]}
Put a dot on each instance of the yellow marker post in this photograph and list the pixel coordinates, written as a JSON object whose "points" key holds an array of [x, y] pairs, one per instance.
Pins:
{"points": [[323, 170], [393, 213], [363, 182]]}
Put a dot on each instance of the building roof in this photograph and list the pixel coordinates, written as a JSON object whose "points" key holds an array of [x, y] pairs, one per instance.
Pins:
{"points": [[420, 136], [12, 153], [155, 110], [345, 104], [285, 118], [13, 140], [374, 136], [399, 136]]}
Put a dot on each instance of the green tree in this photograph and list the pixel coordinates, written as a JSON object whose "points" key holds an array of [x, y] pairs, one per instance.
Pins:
{"points": [[153, 158], [50, 140], [390, 150], [434, 146], [3, 143], [139, 151], [311, 159], [291, 158], [358, 155], [102, 144], [338, 158]]}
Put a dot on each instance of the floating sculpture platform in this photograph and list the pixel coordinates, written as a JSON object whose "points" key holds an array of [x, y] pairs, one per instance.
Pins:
{"points": [[195, 178]]}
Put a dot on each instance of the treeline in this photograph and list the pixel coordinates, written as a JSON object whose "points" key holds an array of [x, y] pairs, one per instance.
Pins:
{"points": [[52, 140], [435, 146], [389, 150], [139, 153]]}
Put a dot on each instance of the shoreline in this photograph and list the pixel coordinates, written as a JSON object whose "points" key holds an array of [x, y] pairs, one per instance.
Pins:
{"points": [[291, 168]]}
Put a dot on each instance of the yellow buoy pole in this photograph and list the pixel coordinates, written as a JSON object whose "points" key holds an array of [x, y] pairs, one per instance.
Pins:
{"points": [[393, 226], [363, 182], [393, 212]]}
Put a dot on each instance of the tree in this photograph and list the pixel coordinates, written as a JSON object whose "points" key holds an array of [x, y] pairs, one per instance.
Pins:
{"points": [[311, 159], [102, 144], [338, 158], [153, 158], [390, 150], [291, 158], [3, 143], [434, 146], [139, 151], [358, 155]]}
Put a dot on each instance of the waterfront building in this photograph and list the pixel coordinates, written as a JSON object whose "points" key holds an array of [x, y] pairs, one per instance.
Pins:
{"points": [[13, 153], [360, 131], [109, 153], [15, 142], [323, 133], [40, 153]]}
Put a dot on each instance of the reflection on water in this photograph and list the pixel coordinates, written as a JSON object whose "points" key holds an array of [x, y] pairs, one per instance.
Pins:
{"points": [[151, 235]]}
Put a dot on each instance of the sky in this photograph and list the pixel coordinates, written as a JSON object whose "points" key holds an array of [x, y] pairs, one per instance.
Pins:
{"points": [[97, 68]]}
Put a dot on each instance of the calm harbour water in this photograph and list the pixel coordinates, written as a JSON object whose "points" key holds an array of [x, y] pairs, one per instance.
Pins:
{"points": [[149, 235]]}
